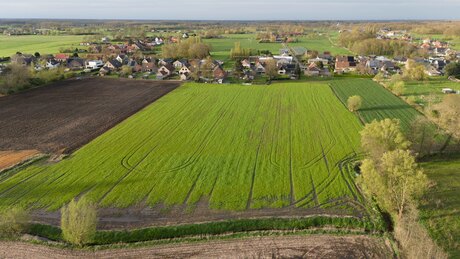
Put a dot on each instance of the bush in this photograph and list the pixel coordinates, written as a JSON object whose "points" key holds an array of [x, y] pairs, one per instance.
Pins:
{"points": [[13, 222], [78, 222], [354, 103]]}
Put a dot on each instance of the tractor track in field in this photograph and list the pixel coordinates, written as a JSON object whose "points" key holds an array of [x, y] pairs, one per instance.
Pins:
{"points": [[129, 154], [206, 139], [291, 176], [192, 188], [253, 177], [133, 168]]}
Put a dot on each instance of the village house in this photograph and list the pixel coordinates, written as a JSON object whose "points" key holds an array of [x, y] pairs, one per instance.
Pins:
{"points": [[52, 64], [75, 63], [61, 57], [148, 65], [345, 64], [113, 64], [94, 64], [318, 59], [184, 73], [313, 70], [165, 71], [219, 74]]}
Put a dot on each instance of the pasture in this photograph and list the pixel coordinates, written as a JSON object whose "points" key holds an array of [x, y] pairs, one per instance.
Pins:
{"points": [[221, 46], [378, 102], [429, 91], [439, 212], [232, 147], [37, 43]]}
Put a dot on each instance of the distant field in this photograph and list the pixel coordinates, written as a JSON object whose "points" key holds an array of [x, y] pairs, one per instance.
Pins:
{"points": [[30, 44], [430, 90], [378, 103], [221, 47], [234, 147], [320, 43], [441, 212]]}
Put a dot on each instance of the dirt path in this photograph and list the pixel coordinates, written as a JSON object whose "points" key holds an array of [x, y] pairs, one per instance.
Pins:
{"points": [[314, 246]]}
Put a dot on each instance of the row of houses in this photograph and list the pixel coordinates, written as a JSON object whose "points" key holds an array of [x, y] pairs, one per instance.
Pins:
{"points": [[166, 68]]}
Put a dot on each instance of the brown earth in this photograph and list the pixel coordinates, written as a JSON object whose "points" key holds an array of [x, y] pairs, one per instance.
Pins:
{"points": [[11, 158], [66, 115], [159, 215], [313, 246]]}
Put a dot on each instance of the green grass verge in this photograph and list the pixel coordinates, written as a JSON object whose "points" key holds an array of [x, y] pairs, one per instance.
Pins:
{"points": [[215, 229]]}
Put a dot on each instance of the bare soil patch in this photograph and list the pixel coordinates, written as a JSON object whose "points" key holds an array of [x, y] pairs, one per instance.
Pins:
{"points": [[313, 246], [160, 215], [9, 159], [68, 114]]}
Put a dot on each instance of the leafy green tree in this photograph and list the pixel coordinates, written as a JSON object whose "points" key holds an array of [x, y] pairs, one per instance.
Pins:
{"points": [[13, 222], [354, 103], [446, 114], [382, 136], [415, 71], [78, 222], [394, 180], [271, 69], [453, 69], [422, 134], [238, 69], [398, 88], [126, 70]]}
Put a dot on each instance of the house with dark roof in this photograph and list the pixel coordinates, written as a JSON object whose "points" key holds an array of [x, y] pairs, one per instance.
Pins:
{"points": [[75, 63], [345, 64], [113, 64], [165, 71]]}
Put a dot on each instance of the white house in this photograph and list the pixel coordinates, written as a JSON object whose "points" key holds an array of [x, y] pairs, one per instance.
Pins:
{"points": [[94, 64], [52, 64]]}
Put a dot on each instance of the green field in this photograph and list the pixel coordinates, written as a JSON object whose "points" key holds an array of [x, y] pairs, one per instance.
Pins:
{"points": [[234, 147], [440, 213], [30, 44], [430, 90], [221, 47], [378, 103]]}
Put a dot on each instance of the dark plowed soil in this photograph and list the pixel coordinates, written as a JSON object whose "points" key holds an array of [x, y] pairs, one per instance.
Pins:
{"points": [[314, 246], [68, 114]]}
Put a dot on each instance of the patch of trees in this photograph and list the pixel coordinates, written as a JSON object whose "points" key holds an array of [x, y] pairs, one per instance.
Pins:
{"points": [[391, 177], [237, 52], [384, 47], [414, 71], [190, 48], [18, 77], [453, 69]]}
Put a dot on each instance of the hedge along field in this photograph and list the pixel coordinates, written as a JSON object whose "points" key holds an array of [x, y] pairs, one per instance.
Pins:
{"points": [[378, 103], [236, 147]]}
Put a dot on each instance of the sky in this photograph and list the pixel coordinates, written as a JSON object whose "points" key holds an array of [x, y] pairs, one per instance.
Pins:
{"points": [[233, 10]]}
